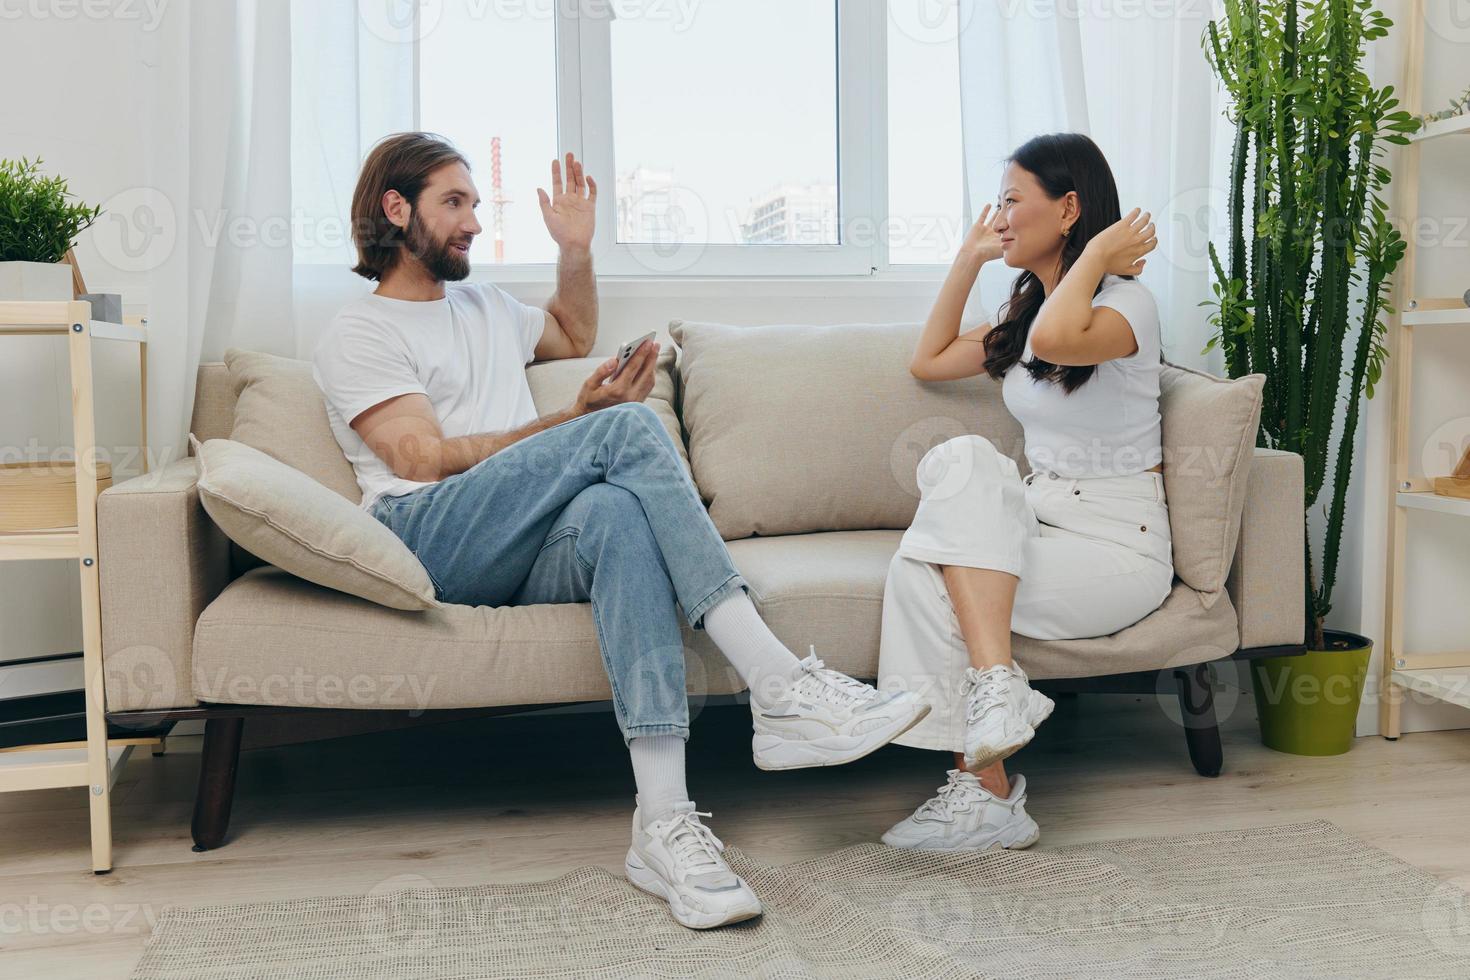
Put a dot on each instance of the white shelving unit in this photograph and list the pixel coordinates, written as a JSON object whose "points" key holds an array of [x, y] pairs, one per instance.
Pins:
{"points": [[1443, 675], [96, 762]]}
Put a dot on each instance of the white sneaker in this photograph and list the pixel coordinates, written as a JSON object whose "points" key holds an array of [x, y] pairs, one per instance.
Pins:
{"points": [[965, 816], [1002, 713], [678, 859], [825, 718]]}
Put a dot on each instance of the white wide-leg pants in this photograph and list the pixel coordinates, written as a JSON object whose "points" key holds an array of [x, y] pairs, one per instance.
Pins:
{"points": [[1093, 556]]}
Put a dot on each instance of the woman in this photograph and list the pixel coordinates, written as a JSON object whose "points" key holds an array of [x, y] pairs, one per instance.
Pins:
{"points": [[1081, 546]]}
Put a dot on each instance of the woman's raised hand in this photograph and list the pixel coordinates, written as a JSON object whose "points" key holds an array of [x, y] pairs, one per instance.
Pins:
{"points": [[1123, 244], [983, 241]]}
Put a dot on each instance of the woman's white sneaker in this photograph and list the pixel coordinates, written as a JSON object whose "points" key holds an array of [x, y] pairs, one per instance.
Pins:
{"points": [[679, 860], [821, 717], [965, 816], [1002, 713]]}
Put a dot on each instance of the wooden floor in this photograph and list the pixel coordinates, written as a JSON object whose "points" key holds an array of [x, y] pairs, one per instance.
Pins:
{"points": [[530, 797]]}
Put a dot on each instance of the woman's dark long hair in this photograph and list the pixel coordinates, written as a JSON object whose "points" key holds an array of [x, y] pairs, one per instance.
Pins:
{"points": [[1061, 162]]}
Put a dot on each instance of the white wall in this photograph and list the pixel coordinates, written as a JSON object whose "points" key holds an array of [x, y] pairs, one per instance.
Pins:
{"points": [[75, 95]]}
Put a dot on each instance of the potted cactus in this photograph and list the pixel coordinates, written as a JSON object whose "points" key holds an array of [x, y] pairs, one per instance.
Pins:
{"points": [[38, 226], [1310, 257]]}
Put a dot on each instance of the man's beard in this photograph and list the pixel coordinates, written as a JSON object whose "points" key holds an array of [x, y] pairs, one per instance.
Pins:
{"points": [[440, 259]]}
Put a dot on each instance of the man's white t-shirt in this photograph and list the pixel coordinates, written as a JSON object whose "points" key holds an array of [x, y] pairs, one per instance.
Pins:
{"points": [[1110, 426], [467, 352]]}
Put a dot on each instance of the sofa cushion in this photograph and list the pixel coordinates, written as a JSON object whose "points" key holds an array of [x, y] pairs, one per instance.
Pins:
{"points": [[280, 411], [819, 428], [280, 514], [274, 639], [1209, 433], [554, 385], [270, 638]]}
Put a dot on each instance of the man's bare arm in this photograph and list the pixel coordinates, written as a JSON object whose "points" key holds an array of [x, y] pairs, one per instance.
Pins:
{"points": [[405, 433]]}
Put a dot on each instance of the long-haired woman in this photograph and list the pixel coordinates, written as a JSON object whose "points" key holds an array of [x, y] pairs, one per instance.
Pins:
{"points": [[1081, 546]]}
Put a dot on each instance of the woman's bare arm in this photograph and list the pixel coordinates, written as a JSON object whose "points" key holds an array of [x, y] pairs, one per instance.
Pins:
{"points": [[943, 353]]}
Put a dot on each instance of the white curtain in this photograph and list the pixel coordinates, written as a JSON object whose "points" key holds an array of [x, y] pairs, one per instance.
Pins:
{"points": [[236, 122], [220, 123], [1134, 78]]}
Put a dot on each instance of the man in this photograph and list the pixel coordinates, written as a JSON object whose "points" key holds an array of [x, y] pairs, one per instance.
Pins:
{"points": [[426, 391]]}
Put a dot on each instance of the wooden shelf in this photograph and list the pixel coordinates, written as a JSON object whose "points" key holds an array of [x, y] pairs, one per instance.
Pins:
{"points": [[1438, 674], [1447, 318], [61, 542], [1439, 503], [51, 767], [100, 330], [96, 763], [1453, 126], [1451, 684]]}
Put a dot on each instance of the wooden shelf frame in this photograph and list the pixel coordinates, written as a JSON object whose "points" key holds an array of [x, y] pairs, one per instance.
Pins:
{"points": [[96, 764], [1436, 674], [1453, 126]]}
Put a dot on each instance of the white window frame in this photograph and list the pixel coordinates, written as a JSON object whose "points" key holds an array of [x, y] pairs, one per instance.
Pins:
{"points": [[584, 127]]}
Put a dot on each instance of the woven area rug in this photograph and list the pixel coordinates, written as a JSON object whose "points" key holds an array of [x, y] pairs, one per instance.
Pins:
{"points": [[1302, 900]]}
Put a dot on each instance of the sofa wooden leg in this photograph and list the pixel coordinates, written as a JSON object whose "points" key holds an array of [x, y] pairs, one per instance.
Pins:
{"points": [[1197, 710], [216, 792]]}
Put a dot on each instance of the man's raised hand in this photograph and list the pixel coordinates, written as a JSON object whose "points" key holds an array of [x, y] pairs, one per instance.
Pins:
{"points": [[570, 209]]}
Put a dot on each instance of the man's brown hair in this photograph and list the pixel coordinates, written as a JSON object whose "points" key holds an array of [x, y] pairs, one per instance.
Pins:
{"points": [[400, 162]]}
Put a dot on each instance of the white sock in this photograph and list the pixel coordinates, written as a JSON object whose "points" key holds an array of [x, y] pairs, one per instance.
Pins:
{"points": [[658, 772], [747, 642]]}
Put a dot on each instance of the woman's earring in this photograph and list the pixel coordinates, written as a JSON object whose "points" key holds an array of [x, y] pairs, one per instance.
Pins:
{"points": [[1066, 232]]}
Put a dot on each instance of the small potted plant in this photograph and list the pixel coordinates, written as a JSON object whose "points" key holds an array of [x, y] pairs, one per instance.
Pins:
{"points": [[38, 226]]}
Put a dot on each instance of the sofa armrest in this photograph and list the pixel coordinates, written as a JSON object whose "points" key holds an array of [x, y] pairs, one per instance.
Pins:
{"points": [[161, 560], [1267, 580]]}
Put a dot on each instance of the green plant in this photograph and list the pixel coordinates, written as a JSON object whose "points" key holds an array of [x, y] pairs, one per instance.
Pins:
{"points": [[1311, 249], [37, 223]]}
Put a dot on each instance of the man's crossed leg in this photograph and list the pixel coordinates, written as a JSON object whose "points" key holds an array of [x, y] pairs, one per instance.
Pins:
{"points": [[600, 509]]}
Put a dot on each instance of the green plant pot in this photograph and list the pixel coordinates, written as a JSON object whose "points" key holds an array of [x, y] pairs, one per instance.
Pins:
{"points": [[1308, 705]]}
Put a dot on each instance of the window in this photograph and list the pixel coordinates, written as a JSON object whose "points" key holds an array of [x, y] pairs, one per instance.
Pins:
{"points": [[725, 127], [926, 185], [489, 83], [730, 137]]}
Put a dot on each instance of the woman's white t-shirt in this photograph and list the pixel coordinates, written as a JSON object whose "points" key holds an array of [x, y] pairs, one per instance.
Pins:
{"points": [[467, 352], [1110, 426]]}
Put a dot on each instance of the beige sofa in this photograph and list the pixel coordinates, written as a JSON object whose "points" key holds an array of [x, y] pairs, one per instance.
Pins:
{"points": [[804, 454]]}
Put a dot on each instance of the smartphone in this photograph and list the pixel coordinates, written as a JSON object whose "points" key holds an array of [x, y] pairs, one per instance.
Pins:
{"points": [[626, 351]]}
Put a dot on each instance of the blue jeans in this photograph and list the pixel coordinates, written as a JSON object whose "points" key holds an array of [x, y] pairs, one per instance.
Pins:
{"points": [[599, 508]]}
